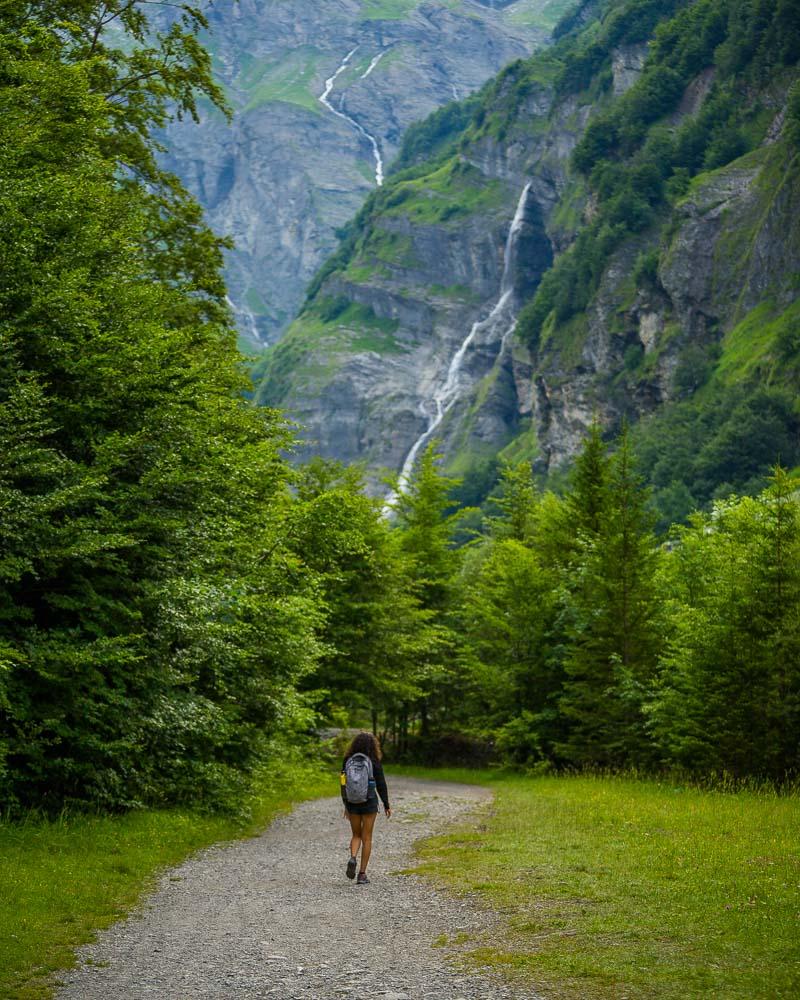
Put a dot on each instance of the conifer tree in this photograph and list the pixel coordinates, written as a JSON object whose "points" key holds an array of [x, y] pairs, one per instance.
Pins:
{"points": [[425, 536], [728, 698], [612, 628], [375, 632], [422, 516], [588, 496], [516, 502], [152, 626]]}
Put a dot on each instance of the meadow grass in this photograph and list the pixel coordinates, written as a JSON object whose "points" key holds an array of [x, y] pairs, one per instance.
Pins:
{"points": [[617, 887], [387, 10], [62, 880]]}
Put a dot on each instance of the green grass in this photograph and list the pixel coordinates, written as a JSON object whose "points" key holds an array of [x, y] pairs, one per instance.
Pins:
{"points": [[311, 349], [748, 349], [289, 80], [450, 192], [361, 274], [615, 887], [524, 447], [62, 880], [538, 14], [255, 301], [391, 247], [387, 10]]}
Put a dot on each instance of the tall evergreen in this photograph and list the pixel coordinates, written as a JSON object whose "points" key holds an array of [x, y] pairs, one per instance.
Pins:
{"points": [[375, 634], [612, 612], [425, 529], [588, 495], [150, 639], [729, 693], [516, 502], [508, 624], [422, 516]]}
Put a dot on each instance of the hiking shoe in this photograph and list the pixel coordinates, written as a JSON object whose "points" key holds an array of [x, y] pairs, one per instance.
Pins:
{"points": [[362, 879], [350, 871]]}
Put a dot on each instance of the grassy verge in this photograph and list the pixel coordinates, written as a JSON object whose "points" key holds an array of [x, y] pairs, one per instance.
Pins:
{"points": [[614, 887], [61, 881]]}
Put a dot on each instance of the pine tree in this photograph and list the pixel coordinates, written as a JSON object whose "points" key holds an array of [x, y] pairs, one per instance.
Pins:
{"points": [[152, 627], [422, 516], [507, 620], [612, 631], [516, 502], [588, 496], [729, 693], [425, 537], [375, 631]]}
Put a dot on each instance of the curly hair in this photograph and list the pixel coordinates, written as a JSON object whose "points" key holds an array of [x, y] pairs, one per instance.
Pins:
{"points": [[367, 743]]}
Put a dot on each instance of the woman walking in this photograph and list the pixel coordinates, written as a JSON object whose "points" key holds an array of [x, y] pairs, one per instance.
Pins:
{"points": [[362, 782]]}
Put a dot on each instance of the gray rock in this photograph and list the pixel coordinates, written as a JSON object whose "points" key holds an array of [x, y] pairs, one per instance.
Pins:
{"points": [[287, 173]]}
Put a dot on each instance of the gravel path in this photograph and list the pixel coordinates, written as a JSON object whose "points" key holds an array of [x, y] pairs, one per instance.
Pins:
{"points": [[275, 917]]}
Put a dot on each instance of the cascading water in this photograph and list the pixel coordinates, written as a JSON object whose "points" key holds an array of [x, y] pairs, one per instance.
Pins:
{"points": [[250, 319], [373, 64], [324, 99], [502, 317]]}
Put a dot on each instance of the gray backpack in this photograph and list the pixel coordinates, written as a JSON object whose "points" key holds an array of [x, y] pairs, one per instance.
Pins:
{"points": [[357, 774]]}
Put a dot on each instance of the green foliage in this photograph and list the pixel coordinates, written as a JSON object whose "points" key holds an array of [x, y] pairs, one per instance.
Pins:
{"points": [[516, 503], [729, 693], [377, 634], [421, 512], [634, 164], [434, 137], [508, 614], [424, 531], [151, 635], [645, 271], [623, 24], [611, 611], [583, 643], [723, 443]]}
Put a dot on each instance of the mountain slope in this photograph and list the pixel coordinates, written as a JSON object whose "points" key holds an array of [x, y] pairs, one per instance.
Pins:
{"points": [[291, 169], [659, 143]]}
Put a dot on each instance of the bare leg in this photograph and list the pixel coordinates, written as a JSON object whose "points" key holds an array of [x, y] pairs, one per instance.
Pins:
{"points": [[355, 826], [366, 839]]}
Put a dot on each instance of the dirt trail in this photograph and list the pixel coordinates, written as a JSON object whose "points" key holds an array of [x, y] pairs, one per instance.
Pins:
{"points": [[275, 917]]}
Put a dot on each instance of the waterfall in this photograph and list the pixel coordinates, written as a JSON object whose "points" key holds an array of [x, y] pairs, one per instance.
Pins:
{"points": [[503, 317], [374, 63], [324, 99], [247, 312], [332, 80]]}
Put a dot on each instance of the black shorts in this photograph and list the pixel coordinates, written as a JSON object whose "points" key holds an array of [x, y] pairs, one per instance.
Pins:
{"points": [[363, 808]]}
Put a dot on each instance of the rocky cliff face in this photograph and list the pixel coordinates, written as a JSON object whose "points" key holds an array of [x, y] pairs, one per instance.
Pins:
{"points": [[428, 271], [726, 268], [291, 169], [408, 334]]}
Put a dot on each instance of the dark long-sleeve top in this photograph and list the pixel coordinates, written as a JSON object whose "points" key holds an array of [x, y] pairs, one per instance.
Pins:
{"points": [[380, 784]]}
